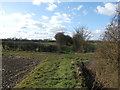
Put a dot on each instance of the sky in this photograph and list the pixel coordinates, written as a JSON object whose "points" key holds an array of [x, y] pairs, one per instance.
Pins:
{"points": [[40, 19]]}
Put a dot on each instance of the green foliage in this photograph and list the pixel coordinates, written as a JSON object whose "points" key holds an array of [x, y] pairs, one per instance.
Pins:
{"points": [[28, 46], [67, 49], [90, 47]]}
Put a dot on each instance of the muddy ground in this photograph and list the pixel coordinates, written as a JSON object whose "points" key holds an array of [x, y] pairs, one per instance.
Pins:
{"points": [[15, 68]]}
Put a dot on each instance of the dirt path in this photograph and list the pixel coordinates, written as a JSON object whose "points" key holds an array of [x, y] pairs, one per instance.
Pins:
{"points": [[15, 68]]}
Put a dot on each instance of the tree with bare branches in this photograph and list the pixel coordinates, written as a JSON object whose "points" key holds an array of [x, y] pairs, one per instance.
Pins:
{"points": [[79, 38], [109, 51]]}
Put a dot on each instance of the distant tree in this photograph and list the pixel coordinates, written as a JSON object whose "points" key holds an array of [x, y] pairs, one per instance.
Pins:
{"points": [[69, 40], [80, 37], [60, 39], [63, 40]]}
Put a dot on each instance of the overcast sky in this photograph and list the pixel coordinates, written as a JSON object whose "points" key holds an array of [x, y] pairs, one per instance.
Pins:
{"points": [[42, 20]]}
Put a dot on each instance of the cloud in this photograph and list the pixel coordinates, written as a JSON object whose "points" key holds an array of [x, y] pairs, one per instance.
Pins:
{"points": [[96, 34], [51, 7], [108, 9], [45, 17], [2, 12], [117, 0], [56, 23], [55, 29], [85, 12], [40, 25], [24, 26], [98, 31], [73, 10], [38, 2], [21, 25], [60, 18], [78, 8], [16, 20]]}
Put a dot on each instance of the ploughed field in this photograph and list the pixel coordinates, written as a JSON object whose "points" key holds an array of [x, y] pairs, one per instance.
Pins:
{"points": [[42, 70], [14, 68]]}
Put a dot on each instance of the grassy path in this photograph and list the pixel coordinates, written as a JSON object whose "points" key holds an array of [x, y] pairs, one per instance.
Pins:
{"points": [[52, 74]]}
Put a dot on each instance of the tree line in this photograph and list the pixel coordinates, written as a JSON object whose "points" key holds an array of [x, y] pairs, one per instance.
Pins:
{"points": [[79, 42], [28, 45]]}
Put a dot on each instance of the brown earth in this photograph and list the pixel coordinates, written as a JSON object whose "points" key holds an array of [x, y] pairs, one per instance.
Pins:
{"points": [[15, 68]]}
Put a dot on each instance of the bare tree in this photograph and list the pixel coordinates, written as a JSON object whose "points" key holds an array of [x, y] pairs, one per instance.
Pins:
{"points": [[109, 49], [80, 37]]}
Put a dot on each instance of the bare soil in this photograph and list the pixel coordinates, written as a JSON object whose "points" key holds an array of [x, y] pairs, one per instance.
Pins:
{"points": [[15, 68]]}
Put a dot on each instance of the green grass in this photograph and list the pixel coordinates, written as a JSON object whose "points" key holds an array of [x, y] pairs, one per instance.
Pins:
{"points": [[55, 70], [48, 43]]}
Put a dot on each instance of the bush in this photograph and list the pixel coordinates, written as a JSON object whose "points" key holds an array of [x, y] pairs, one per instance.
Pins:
{"points": [[90, 47], [67, 49]]}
